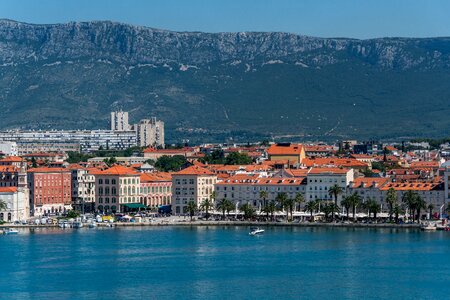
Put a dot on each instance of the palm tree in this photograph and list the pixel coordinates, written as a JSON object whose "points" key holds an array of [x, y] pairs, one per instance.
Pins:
{"points": [[373, 207], [299, 199], [391, 199], [224, 205], [330, 208], [430, 208], [205, 206], [420, 204], [289, 204], [263, 195], [311, 206], [270, 209], [347, 203], [355, 202], [3, 205], [410, 200], [335, 191], [281, 199], [248, 211], [397, 210], [192, 208]]}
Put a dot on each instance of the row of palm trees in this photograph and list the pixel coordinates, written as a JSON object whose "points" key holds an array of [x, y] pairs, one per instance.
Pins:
{"points": [[411, 201]]}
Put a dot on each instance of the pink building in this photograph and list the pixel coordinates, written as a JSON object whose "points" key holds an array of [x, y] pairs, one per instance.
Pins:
{"points": [[50, 190], [156, 189]]}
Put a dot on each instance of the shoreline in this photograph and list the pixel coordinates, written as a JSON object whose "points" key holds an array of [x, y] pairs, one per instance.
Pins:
{"points": [[233, 223]]}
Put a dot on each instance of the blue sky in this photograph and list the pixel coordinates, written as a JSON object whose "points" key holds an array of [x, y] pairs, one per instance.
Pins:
{"points": [[324, 18]]}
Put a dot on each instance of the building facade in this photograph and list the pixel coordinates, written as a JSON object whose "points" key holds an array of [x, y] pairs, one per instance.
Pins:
{"points": [[119, 121], [156, 189], [50, 190], [150, 132], [320, 180], [191, 184], [17, 204], [116, 189]]}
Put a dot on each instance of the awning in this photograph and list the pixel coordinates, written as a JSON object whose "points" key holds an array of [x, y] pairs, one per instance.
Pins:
{"points": [[134, 205]]}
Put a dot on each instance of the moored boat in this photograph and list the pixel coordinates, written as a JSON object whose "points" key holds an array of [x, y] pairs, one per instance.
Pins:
{"points": [[10, 231], [256, 231], [428, 227]]}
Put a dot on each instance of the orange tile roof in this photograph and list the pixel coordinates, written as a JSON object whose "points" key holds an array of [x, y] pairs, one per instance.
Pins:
{"points": [[424, 164], [194, 170], [297, 172], [155, 177], [411, 186], [116, 170], [358, 182], [243, 179], [169, 151], [334, 161], [11, 169], [288, 149], [11, 159], [325, 171], [39, 154], [318, 148], [48, 170], [8, 189]]}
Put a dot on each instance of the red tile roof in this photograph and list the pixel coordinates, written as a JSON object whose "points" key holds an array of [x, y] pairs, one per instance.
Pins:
{"points": [[325, 171], [116, 170], [194, 170], [285, 149], [8, 189], [12, 159]]}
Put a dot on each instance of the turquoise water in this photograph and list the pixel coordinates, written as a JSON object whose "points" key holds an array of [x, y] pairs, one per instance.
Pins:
{"points": [[224, 263]]}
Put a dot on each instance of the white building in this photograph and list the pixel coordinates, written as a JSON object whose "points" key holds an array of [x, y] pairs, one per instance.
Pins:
{"points": [[9, 148], [243, 188], [83, 189], [319, 181], [119, 121], [17, 203], [150, 132], [191, 184], [88, 140]]}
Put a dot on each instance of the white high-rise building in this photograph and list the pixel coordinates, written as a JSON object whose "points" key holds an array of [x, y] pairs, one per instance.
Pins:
{"points": [[119, 121], [150, 132], [8, 148]]}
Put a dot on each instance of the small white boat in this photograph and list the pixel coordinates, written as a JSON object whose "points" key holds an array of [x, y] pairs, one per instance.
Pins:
{"points": [[92, 225], [256, 231], [77, 225], [10, 231], [428, 227]]}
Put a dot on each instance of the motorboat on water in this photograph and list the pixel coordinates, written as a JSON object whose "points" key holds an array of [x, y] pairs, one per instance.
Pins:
{"points": [[428, 227], [92, 225], [10, 231], [78, 224], [256, 231]]}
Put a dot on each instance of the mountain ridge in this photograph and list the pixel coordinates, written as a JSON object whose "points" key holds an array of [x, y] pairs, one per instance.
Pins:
{"points": [[294, 84]]}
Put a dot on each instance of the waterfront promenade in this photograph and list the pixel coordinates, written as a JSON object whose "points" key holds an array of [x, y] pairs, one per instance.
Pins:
{"points": [[187, 223]]}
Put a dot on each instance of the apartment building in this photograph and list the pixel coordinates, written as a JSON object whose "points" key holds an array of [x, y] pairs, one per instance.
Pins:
{"points": [[156, 189], [119, 121], [320, 180], [117, 189], [83, 188], [191, 184], [150, 132], [50, 190], [243, 188]]}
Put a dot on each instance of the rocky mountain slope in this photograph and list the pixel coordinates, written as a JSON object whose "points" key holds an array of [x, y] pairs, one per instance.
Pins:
{"points": [[243, 85]]}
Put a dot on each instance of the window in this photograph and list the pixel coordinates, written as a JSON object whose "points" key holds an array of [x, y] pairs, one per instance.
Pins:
{"points": [[113, 181], [100, 181], [100, 190], [106, 181]]}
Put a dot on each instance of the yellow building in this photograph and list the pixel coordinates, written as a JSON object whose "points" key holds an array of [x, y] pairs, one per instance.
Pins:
{"points": [[287, 152]]}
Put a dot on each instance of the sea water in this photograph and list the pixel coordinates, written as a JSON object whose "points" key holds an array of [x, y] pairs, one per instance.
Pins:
{"points": [[215, 262]]}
